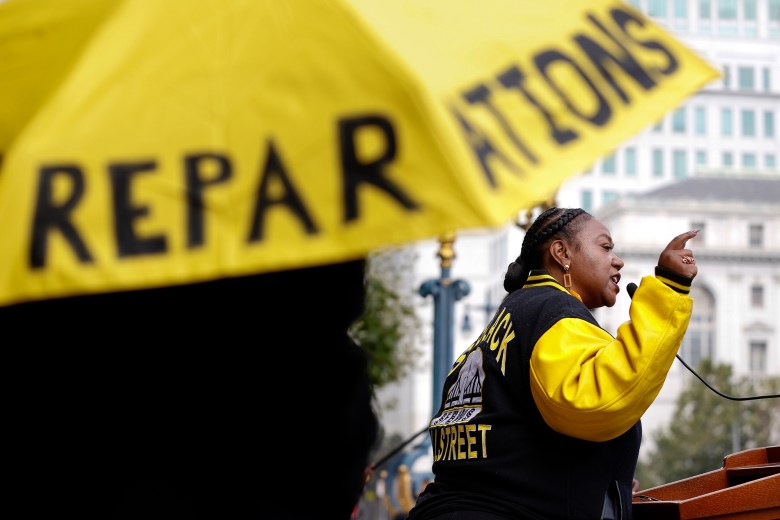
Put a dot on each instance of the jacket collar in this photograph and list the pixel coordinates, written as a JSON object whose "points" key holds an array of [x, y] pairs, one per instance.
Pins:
{"points": [[540, 277]]}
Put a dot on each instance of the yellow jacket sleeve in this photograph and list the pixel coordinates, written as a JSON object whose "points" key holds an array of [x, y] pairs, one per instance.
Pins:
{"points": [[589, 385]]}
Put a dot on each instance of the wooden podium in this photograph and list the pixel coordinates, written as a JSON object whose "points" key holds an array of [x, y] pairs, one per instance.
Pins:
{"points": [[746, 487]]}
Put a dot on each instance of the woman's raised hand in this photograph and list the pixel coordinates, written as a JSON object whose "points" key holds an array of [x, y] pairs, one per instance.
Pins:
{"points": [[677, 258]]}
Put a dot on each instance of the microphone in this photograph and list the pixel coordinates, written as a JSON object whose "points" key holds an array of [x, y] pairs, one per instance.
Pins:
{"points": [[631, 289]]}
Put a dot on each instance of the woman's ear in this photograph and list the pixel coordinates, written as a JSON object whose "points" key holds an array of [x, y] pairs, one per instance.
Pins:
{"points": [[559, 252]]}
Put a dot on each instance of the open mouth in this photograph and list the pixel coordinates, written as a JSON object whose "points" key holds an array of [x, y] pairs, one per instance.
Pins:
{"points": [[615, 279]]}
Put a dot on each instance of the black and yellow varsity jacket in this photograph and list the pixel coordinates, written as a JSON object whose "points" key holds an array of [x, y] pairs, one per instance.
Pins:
{"points": [[540, 417]]}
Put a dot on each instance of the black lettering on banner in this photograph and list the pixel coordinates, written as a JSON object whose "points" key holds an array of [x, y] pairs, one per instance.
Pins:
{"points": [[196, 184], [483, 148], [125, 213], [275, 169], [543, 61], [626, 61], [513, 78], [50, 216], [481, 95], [356, 172], [624, 18]]}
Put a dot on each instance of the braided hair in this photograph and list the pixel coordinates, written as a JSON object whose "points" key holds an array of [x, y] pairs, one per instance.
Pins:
{"points": [[554, 222]]}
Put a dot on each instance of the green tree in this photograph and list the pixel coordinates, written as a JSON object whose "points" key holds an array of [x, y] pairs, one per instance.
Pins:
{"points": [[389, 326], [706, 427]]}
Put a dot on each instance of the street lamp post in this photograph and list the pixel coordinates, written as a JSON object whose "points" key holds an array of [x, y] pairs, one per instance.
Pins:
{"points": [[445, 292]]}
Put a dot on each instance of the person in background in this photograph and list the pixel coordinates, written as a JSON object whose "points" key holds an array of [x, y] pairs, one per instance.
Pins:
{"points": [[540, 416]]}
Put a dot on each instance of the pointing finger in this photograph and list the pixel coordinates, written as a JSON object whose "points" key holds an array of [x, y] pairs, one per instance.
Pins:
{"points": [[679, 241]]}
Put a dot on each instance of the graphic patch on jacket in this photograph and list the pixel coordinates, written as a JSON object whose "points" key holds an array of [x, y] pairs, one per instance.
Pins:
{"points": [[451, 438]]}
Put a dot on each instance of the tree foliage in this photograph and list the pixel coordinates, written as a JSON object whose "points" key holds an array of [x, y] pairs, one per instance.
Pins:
{"points": [[707, 427], [389, 326]]}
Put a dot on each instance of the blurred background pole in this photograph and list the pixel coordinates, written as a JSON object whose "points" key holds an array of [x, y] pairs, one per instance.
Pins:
{"points": [[445, 292], [405, 473]]}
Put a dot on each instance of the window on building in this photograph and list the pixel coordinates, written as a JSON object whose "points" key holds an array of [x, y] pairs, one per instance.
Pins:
{"points": [[726, 78], [770, 161], [658, 127], [630, 159], [699, 340], [701, 157], [750, 29], [678, 121], [758, 356], [769, 124], [705, 16], [749, 18], [700, 120], [766, 79], [746, 78], [727, 17], [656, 8], [774, 18], [693, 351], [608, 165], [679, 164], [756, 236], [658, 162], [749, 160], [705, 9], [748, 123], [749, 10], [727, 9], [587, 200], [757, 296], [726, 127], [727, 28], [680, 9], [727, 159], [680, 14], [608, 196]]}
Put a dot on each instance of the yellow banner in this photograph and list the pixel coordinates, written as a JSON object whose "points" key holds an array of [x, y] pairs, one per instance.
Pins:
{"points": [[150, 143]]}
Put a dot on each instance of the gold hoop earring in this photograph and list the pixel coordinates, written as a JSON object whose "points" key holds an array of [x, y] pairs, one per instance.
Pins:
{"points": [[566, 277]]}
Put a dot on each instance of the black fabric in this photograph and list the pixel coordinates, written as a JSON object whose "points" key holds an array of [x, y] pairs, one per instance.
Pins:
{"points": [[238, 398], [469, 515]]}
